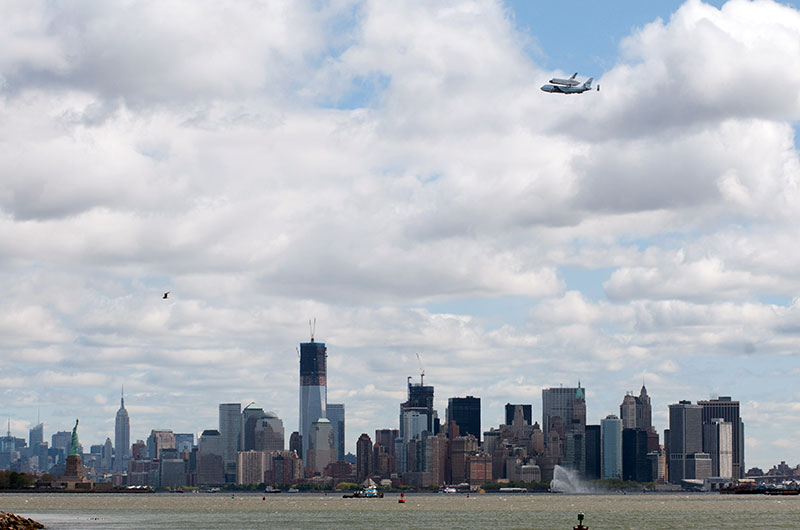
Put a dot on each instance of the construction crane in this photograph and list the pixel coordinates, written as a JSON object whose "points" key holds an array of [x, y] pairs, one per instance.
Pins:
{"points": [[421, 371]]}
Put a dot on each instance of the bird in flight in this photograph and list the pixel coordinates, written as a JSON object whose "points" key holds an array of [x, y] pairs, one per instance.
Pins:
{"points": [[166, 295]]}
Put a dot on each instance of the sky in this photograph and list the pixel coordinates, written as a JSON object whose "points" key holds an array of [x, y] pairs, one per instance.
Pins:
{"points": [[392, 170]]}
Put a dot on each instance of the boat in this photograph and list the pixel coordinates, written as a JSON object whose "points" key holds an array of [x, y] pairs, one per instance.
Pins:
{"points": [[782, 491], [293, 490], [270, 489], [742, 488], [454, 488], [369, 492]]}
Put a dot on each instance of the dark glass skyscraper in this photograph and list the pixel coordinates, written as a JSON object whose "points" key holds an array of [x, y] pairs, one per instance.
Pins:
{"points": [[466, 412], [526, 413], [230, 428], [685, 438], [335, 413], [313, 387], [635, 465], [593, 462]]}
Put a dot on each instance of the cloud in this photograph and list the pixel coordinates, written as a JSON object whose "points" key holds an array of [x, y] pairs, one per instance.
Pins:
{"points": [[154, 52], [268, 163], [701, 67]]}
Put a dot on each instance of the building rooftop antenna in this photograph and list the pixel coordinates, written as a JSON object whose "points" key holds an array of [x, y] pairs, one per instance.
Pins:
{"points": [[312, 326], [421, 371]]}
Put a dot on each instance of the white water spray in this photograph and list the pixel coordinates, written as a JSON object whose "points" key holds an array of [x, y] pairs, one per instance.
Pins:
{"points": [[568, 481]]}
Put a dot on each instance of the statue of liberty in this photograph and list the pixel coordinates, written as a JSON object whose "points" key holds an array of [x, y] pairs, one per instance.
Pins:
{"points": [[74, 448]]}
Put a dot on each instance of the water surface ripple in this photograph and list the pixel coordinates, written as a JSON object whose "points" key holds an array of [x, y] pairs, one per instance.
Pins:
{"points": [[538, 511]]}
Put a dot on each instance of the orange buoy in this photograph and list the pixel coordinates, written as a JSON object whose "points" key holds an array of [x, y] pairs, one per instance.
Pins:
{"points": [[402, 499]]}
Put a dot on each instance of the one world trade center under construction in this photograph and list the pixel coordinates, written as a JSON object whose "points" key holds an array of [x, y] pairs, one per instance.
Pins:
{"points": [[313, 387]]}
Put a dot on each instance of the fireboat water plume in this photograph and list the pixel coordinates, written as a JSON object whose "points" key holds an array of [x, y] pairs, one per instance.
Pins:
{"points": [[568, 481]]}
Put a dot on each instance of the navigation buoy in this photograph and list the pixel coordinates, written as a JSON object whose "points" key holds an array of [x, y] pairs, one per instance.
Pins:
{"points": [[402, 499], [580, 523]]}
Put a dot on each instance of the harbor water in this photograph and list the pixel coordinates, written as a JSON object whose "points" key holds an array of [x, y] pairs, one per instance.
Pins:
{"points": [[539, 511]]}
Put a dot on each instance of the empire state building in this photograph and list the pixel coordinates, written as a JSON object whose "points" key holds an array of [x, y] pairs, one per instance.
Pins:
{"points": [[122, 438]]}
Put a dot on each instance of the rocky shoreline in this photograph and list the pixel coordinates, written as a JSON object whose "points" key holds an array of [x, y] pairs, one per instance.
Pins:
{"points": [[10, 521]]}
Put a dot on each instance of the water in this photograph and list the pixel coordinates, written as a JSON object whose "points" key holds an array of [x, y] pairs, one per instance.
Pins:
{"points": [[539, 511]]}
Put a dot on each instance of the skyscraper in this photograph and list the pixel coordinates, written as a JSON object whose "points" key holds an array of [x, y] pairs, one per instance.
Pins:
{"points": [[158, 441], [526, 412], [36, 435], [417, 420], [636, 412], [644, 411], [686, 439], [313, 388], [593, 452], [627, 411], [122, 437], [718, 443], [269, 433], [564, 409], [559, 402], [107, 456], [320, 446], [575, 456], [723, 407], [230, 429], [335, 413], [611, 446], [385, 456], [466, 412], [364, 458], [184, 442], [251, 415], [635, 465], [210, 463]]}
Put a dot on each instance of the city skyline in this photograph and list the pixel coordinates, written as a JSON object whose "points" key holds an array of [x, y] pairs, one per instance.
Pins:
{"points": [[561, 404], [393, 171]]}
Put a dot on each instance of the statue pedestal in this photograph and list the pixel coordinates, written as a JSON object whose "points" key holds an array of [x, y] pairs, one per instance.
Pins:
{"points": [[74, 469]]}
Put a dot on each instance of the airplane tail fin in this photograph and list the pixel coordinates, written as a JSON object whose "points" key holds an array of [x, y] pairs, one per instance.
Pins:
{"points": [[574, 75], [588, 83]]}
